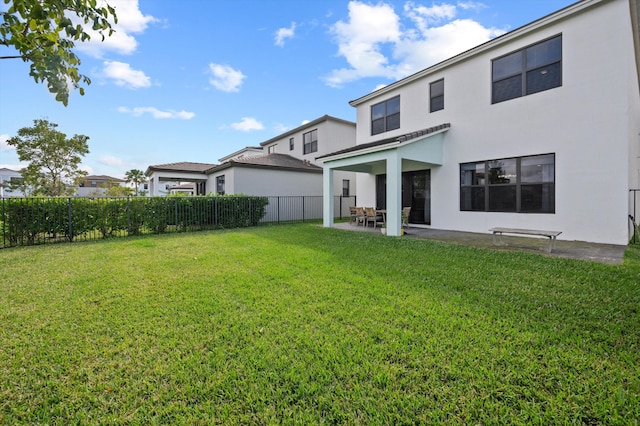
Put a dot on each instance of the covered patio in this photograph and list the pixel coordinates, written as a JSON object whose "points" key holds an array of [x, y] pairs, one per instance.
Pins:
{"points": [[384, 162]]}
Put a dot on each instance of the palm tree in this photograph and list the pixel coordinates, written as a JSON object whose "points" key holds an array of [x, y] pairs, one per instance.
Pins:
{"points": [[136, 177]]}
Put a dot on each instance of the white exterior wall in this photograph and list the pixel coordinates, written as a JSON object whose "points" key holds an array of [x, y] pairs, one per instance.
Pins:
{"points": [[5, 177], [229, 180], [158, 180], [253, 181], [332, 136], [589, 123]]}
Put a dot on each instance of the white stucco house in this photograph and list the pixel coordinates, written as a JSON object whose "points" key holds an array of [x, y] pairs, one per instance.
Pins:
{"points": [[6, 176], [281, 166], [538, 128], [96, 185]]}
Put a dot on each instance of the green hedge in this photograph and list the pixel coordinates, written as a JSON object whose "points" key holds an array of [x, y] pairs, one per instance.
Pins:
{"points": [[27, 221]]}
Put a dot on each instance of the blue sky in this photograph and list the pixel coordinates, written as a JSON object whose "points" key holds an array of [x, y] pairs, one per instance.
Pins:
{"points": [[196, 80]]}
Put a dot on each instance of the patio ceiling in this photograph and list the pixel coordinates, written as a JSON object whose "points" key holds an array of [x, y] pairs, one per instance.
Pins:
{"points": [[417, 151]]}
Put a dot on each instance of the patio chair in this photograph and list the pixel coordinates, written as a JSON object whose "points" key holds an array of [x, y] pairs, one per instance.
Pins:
{"points": [[353, 215], [372, 216], [406, 211], [360, 216]]}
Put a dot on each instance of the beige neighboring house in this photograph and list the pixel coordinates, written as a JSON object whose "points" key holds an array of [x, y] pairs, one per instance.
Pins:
{"points": [[281, 166], [96, 185]]}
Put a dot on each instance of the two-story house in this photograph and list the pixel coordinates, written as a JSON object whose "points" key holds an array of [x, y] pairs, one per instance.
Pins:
{"points": [[281, 166], [537, 128]]}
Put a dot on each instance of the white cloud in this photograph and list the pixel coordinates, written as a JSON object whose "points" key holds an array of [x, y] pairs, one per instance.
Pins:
{"points": [[247, 124], [376, 42], [110, 160], [471, 5], [86, 168], [4, 146], [280, 128], [124, 76], [423, 16], [225, 78], [156, 113], [130, 21], [284, 33]]}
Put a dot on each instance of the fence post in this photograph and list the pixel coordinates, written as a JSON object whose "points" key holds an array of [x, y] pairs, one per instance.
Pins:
{"points": [[175, 208], [303, 198], [70, 224], [278, 211]]}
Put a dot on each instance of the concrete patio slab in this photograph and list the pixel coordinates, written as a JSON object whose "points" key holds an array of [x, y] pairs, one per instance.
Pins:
{"points": [[604, 253]]}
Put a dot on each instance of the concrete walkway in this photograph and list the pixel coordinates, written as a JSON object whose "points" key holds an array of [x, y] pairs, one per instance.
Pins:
{"points": [[605, 253]]}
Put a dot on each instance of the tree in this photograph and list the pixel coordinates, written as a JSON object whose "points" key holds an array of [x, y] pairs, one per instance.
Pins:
{"points": [[53, 159], [136, 177], [43, 33]]}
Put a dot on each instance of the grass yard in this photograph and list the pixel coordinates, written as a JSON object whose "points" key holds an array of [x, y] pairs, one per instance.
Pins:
{"points": [[297, 324]]}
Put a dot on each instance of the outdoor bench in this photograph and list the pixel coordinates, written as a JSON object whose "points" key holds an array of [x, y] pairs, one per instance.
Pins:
{"points": [[497, 235]]}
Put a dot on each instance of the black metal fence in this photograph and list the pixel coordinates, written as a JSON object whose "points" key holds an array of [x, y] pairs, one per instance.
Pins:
{"points": [[32, 221]]}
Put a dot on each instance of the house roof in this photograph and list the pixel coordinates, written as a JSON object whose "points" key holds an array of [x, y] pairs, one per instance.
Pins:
{"points": [[491, 44], [103, 177], [306, 125], [273, 160], [245, 149], [407, 137], [184, 166]]}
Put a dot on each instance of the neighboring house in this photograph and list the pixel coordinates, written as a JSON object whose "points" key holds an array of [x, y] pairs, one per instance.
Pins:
{"points": [[96, 185], [6, 176], [164, 176], [183, 188], [537, 128], [284, 165], [266, 174]]}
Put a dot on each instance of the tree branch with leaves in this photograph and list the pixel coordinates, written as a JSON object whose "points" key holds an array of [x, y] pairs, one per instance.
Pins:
{"points": [[43, 34]]}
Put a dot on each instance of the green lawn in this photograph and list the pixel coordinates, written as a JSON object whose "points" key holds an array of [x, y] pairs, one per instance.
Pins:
{"points": [[297, 324]]}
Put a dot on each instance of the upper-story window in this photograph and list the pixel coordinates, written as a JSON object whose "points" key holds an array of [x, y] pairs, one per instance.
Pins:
{"points": [[385, 116], [271, 149], [527, 71], [310, 141], [291, 144], [436, 95]]}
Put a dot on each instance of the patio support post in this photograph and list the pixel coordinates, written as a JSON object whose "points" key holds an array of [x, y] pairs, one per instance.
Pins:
{"points": [[394, 193], [327, 197], [155, 184]]}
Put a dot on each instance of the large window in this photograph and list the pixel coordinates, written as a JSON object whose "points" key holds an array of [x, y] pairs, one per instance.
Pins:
{"points": [[271, 149], [522, 185], [385, 116], [526, 71], [436, 96], [220, 185], [310, 141]]}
